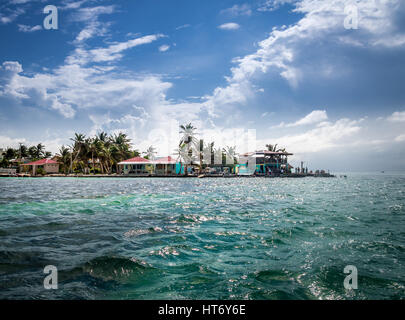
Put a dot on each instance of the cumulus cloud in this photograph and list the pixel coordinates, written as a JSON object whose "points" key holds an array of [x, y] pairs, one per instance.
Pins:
{"points": [[229, 26], [88, 79], [271, 5], [19, 87], [284, 51], [326, 136], [71, 87], [315, 116], [10, 142], [398, 116]]}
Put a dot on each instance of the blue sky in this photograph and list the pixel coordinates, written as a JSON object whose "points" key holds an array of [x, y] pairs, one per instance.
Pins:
{"points": [[287, 69]]}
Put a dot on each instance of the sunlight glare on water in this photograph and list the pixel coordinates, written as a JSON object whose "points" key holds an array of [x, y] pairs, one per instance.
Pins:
{"points": [[173, 238]]}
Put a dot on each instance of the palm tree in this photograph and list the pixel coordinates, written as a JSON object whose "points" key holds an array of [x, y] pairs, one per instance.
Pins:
{"points": [[78, 145], [107, 157], [120, 148], [93, 148], [188, 135], [182, 155], [64, 157], [272, 148], [109, 151], [230, 153], [32, 152], [85, 154], [188, 143], [277, 157], [22, 151], [40, 150], [97, 146], [10, 153], [150, 153], [102, 136], [71, 150]]}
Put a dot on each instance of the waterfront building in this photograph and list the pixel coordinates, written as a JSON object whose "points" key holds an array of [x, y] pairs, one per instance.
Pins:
{"points": [[136, 165], [267, 162], [164, 166], [47, 165]]}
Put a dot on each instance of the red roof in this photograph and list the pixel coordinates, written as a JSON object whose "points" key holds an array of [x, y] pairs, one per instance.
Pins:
{"points": [[40, 162], [135, 160], [165, 160]]}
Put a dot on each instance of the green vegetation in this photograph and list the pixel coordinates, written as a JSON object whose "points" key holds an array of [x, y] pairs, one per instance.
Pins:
{"points": [[101, 153], [98, 154], [32, 153], [40, 172]]}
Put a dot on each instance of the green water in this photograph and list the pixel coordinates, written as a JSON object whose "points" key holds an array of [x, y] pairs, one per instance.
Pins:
{"points": [[173, 238]]}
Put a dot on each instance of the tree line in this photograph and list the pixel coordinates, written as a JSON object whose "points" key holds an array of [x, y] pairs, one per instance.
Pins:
{"points": [[101, 153], [32, 153]]}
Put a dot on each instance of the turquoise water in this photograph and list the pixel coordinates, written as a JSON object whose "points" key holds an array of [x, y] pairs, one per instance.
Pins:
{"points": [[174, 238]]}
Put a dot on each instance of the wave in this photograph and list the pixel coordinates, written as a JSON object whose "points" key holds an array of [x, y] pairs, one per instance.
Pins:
{"points": [[108, 268]]}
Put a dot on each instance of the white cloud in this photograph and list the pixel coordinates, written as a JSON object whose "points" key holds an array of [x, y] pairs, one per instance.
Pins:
{"points": [[71, 87], [271, 5], [400, 138], [74, 4], [238, 10], [20, 1], [398, 116], [111, 53], [322, 20], [10, 142], [315, 116], [326, 136], [89, 15], [51, 144], [8, 16], [164, 48], [110, 97], [92, 13], [25, 28], [94, 28], [184, 26], [229, 26]]}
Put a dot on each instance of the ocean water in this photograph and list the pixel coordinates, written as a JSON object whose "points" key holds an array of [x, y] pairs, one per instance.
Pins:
{"points": [[174, 238]]}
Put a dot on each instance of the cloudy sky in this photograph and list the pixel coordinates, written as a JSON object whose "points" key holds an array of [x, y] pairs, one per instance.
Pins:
{"points": [[286, 71]]}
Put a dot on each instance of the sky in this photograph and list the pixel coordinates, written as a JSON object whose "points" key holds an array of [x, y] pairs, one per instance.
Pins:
{"points": [[308, 75]]}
